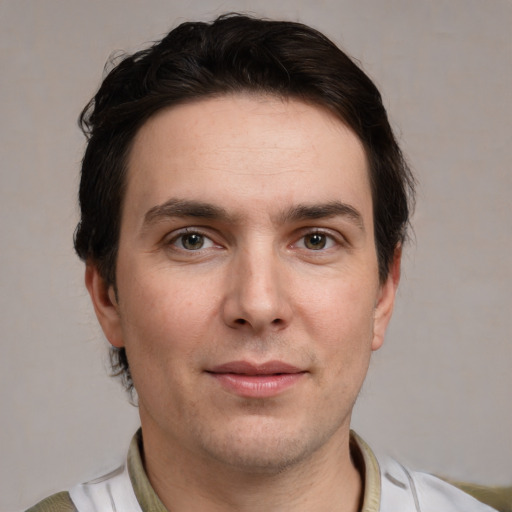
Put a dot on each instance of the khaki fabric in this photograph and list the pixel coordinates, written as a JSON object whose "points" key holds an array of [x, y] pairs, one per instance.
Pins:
{"points": [[60, 502], [146, 496], [367, 464]]}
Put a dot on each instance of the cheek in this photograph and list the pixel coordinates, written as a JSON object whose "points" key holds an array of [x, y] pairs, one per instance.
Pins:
{"points": [[164, 321], [342, 310], [340, 321], [157, 298]]}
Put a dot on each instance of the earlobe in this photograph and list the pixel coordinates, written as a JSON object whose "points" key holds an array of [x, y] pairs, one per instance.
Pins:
{"points": [[104, 300], [386, 300]]}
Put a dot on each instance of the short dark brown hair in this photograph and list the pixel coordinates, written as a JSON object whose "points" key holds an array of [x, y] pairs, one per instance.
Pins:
{"points": [[232, 54]]}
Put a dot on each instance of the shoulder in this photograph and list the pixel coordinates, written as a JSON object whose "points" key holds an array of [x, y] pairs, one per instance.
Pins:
{"points": [[436, 493], [60, 502], [422, 491]]}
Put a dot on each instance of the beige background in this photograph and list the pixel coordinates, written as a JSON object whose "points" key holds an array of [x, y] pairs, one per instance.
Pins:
{"points": [[439, 393]]}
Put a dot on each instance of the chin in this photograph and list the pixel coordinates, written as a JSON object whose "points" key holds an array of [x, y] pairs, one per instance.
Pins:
{"points": [[260, 459], [264, 449]]}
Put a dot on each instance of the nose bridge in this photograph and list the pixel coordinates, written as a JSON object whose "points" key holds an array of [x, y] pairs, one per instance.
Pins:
{"points": [[256, 296]]}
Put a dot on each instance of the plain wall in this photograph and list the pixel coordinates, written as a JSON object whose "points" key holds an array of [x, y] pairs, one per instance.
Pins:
{"points": [[439, 392]]}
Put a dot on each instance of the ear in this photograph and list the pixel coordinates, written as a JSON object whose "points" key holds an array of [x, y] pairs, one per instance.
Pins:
{"points": [[105, 305], [386, 300]]}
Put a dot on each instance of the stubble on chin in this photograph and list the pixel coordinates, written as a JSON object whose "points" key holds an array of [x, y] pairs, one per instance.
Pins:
{"points": [[264, 447]]}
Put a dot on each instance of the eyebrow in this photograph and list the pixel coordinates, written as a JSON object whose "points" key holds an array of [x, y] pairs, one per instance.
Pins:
{"points": [[303, 212], [185, 208], [201, 210]]}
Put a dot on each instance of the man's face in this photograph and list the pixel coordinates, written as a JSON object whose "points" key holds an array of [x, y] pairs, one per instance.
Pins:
{"points": [[248, 293]]}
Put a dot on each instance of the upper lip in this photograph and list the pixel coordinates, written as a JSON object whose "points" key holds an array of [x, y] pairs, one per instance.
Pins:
{"points": [[246, 368]]}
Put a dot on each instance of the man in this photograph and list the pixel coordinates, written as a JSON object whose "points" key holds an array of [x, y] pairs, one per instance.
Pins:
{"points": [[244, 205]]}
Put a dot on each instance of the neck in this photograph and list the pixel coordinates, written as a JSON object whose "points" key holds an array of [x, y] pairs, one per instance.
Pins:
{"points": [[185, 481]]}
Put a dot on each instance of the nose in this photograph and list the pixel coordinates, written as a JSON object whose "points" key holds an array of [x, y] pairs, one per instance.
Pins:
{"points": [[257, 297]]}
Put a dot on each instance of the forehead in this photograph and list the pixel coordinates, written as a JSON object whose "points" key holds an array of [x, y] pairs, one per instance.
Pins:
{"points": [[250, 151]]}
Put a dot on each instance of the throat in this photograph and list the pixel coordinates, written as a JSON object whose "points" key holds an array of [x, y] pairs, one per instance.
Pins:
{"points": [[313, 484]]}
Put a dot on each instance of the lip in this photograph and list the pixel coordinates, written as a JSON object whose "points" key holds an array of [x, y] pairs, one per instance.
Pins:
{"points": [[256, 380]]}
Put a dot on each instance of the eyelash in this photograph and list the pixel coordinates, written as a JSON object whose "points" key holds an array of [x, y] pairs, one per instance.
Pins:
{"points": [[329, 239], [189, 232]]}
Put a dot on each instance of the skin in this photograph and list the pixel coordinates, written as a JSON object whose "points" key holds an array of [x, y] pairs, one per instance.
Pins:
{"points": [[266, 278]]}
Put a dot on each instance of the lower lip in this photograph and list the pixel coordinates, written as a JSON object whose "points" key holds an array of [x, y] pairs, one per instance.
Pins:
{"points": [[257, 386]]}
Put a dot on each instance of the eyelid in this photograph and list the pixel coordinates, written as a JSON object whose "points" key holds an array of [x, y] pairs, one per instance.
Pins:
{"points": [[170, 239], [330, 233]]}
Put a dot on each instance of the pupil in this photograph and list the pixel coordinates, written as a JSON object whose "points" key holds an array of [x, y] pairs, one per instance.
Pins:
{"points": [[193, 241], [316, 241]]}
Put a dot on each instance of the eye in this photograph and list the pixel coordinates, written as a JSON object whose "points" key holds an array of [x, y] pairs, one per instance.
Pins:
{"points": [[316, 241], [192, 241]]}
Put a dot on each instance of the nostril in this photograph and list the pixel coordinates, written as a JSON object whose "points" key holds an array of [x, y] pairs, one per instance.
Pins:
{"points": [[240, 321], [277, 321]]}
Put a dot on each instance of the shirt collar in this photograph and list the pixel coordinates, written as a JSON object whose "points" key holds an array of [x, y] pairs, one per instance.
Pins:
{"points": [[366, 462], [146, 496], [361, 453]]}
